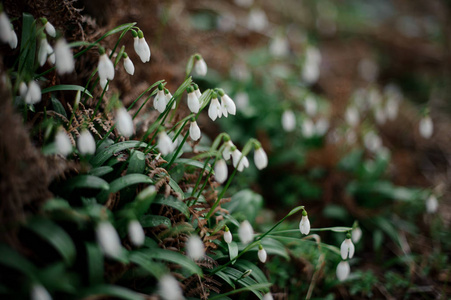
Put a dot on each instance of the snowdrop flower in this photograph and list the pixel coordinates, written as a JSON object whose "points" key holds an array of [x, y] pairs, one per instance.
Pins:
{"points": [[431, 204], [260, 158], [192, 100], [215, 110], [39, 292], [262, 254], [392, 108], [194, 131], [268, 296], [86, 143], [108, 239], [279, 46], [128, 64], [197, 91], [228, 106], [105, 66], [33, 94], [141, 46], [343, 270], [426, 127], [347, 247], [23, 89], [136, 233], [308, 128], [200, 66], [63, 56], [352, 116], [165, 144], [321, 126], [63, 144], [257, 20], [169, 288], [311, 106], [44, 50], [159, 102], [356, 234], [304, 225], [239, 161], [195, 248], [372, 141], [288, 120], [380, 116], [221, 171], [227, 235], [104, 84], [49, 28], [311, 69], [168, 96], [227, 152], [124, 122], [13, 41], [242, 100], [246, 232], [5, 28]]}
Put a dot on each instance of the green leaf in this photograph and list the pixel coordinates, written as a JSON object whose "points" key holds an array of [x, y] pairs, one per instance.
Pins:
{"points": [[122, 182], [109, 290], [100, 171], [174, 203], [247, 282], [174, 185], [254, 288], [137, 162], [55, 236], [157, 270], [27, 45], [154, 221], [104, 155], [14, 260], [226, 278], [173, 257], [194, 163], [66, 87], [95, 263], [257, 273], [86, 181], [233, 250], [58, 107]]}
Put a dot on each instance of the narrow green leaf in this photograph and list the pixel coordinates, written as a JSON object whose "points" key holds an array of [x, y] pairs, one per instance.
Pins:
{"points": [[155, 269], [253, 288], [100, 171], [122, 182], [189, 66], [247, 282], [104, 155], [174, 185], [86, 181], [233, 250], [14, 260], [194, 163], [174, 257], [174, 203], [57, 106], [226, 278], [95, 263], [66, 87], [27, 45], [154, 221], [109, 290], [55, 236], [257, 273], [137, 162]]}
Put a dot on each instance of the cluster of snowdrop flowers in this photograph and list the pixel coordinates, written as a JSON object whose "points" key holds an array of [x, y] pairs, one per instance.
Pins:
{"points": [[7, 33], [318, 128], [217, 109], [141, 46]]}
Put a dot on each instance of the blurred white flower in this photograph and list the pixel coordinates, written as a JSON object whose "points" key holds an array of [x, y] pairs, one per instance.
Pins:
{"points": [[200, 66], [195, 248], [227, 236], [257, 20], [347, 248], [5, 28], [368, 69], [426, 127], [39, 292], [262, 255], [242, 100], [49, 28], [288, 120], [136, 233], [63, 56], [214, 110], [343, 270], [356, 234], [380, 116], [128, 65], [432, 204], [352, 116], [392, 108], [105, 67], [260, 158], [312, 62], [165, 144], [86, 143], [308, 128], [159, 102], [13, 41], [268, 296], [194, 131], [246, 232], [279, 46], [104, 84], [311, 106], [124, 122], [169, 288], [108, 239], [321, 126], [33, 94], [244, 3], [63, 144], [372, 141], [304, 225]]}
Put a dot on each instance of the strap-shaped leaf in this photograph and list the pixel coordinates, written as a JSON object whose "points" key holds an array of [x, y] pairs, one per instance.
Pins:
{"points": [[194, 163], [66, 87], [109, 290], [141, 259], [174, 185], [137, 162], [174, 203], [86, 181], [233, 250], [95, 263], [55, 236], [13, 260], [104, 155], [58, 107], [100, 171], [174, 257], [154, 221], [257, 273], [123, 182]]}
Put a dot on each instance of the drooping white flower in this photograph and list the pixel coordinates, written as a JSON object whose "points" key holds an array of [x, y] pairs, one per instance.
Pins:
{"points": [[304, 225], [200, 66], [321, 126], [268, 296], [159, 102], [63, 144], [242, 100], [227, 235], [195, 248], [49, 28], [168, 96], [13, 41], [257, 20], [432, 204], [23, 89], [214, 110], [44, 50], [63, 56], [194, 131], [380, 115], [227, 152], [246, 232], [311, 69], [128, 65], [368, 69], [39, 292], [311, 106], [165, 144], [169, 288], [262, 255], [228, 106], [356, 234], [5, 28], [347, 248], [244, 3], [392, 108], [308, 128], [426, 127], [352, 116], [239, 161], [108, 239], [105, 67], [260, 158], [193, 101], [343, 270], [33, 94], [136, 233], [86, 143], [124, 122], [279, 46], [372, 141], [288, 120], [221, 171], [141, 46]]}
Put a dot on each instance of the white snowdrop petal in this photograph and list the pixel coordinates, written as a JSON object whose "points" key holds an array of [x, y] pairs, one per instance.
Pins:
{"points": [[169, 288], [246, 232], [159, 101], [5, 28], [39, 292], [194, 131], [86, 143], [50, 29], [42, 52], [221, 171], [229, 104], [268, 296], [347, 249], [200, 67], [304, 225], [214, 110], [63, 56], [105, 67], [343, 270], [356, 234], [129, 66], [260, 158], [165, 144], [193, 103], [262, 255], [426, 127], [228, 237], [108, 239], [136, 233], [288, 120], [195, 248], [432, 204], [13, 41], [63, 144], [33, 94], [308, 128]]}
